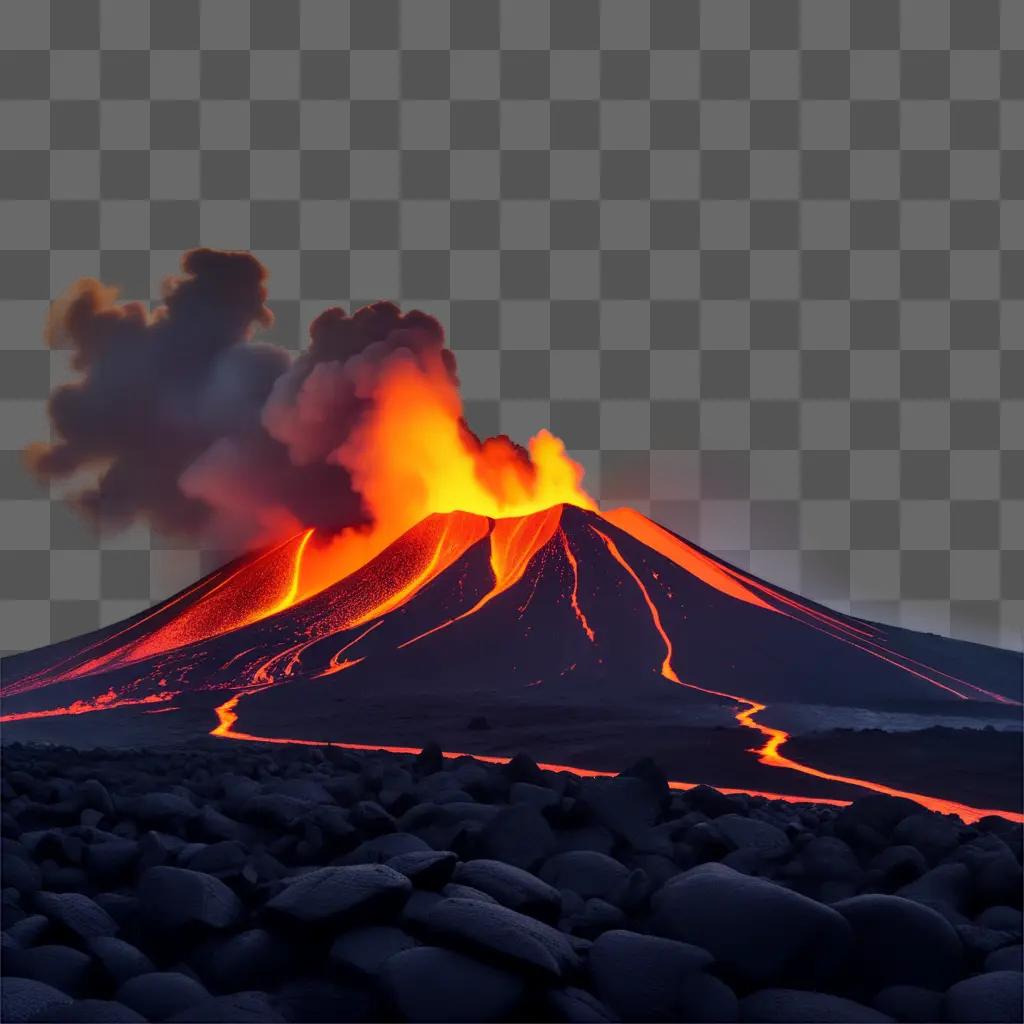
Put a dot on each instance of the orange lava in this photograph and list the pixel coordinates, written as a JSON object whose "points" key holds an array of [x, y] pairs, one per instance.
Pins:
{"points": [[768, 754], [104, 702], [677, 550], [514, 542], [574, 596]]}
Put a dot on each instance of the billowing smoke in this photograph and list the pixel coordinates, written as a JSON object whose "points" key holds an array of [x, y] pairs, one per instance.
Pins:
{"points": [[181, 419]]}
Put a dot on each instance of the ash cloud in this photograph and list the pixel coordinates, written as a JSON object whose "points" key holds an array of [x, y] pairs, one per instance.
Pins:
{"points": [[180, 418]]}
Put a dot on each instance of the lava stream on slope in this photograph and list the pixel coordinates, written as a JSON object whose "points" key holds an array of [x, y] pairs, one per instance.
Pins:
{"points": [[592, 612]]}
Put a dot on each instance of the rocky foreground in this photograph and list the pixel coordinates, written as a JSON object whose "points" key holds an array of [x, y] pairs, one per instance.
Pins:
{"points": [[251, 883]]}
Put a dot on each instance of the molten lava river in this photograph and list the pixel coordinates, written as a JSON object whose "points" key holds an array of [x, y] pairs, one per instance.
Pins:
{"points": [[530, 596]]}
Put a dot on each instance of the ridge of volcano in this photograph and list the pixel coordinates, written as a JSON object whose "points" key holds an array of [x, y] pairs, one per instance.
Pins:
{"points": [[583, 637]]}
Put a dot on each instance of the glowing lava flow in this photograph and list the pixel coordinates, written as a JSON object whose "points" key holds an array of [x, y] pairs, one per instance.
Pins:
{"points": [[104, 702], [768, 754], [514, 542], [734, 583], [574, 596]]}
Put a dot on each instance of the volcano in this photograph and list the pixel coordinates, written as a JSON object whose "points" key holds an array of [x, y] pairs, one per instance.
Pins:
{"points": [[588, 639]]}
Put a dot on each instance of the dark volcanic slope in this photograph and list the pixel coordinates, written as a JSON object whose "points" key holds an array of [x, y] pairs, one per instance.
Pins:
{"points": [[571, 619]]}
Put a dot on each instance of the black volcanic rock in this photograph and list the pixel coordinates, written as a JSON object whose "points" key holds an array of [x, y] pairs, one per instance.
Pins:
{"points": [[618, 958], [577, 1006], [162, 994], [511, 886], [310, 944], [502, 933], [427, 869], [329, 894], [896, 866], [362, 951], [992, 998], [117, 960], [792, 1006], [736, 918], [432, 984], [518, 834], [23, 999], [172, 898], [91, 1011], [625, 804], [899, 942], [586, 872], [62, 967], [1009, 958], [239, 1007], [741, 833], [710, 801], [870, 820], [933, 835], [75, 914], [909, 1003]]}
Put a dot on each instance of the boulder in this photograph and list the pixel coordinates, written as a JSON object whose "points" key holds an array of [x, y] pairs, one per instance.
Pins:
{"points": [[20, 873], [899, 942], [518, 834], [248, 1007], [110, 860], [428, 869], [335, 893], [431, 984], [944, 888], [310, 999], [870, 820], [1007, 919], [91, 1011], [704, 998], [512, 887], [933, 834], [371, 819], [160, 995], [909, 1003], [173, 898], [1009, 958], [577, 1006], [117, 960], [710, 801], [537, 796], [28, 931], [896, 866], [466, 892], [793, 1006], [74, 914], [638, 976], [165, 810], [593, 918], [992, 998], [23, 999], [62, 967], [382, 848], [743, 833], [255, 958], [361, 951], [586, 872], [625, 805], [704, 906], [502, 934], [828, 858]]}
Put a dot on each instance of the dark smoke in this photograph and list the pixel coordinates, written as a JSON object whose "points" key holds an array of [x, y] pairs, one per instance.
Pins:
{"points": [[181, 419]]}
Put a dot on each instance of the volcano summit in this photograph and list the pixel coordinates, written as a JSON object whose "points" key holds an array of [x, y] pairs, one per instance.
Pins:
{"points": [[405, 576], [587, 639]]}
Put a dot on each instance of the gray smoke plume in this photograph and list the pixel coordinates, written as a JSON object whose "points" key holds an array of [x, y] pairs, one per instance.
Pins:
{"points": [[181, 419]]}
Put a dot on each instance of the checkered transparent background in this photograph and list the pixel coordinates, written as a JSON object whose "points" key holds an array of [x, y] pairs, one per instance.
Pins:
{"points": [[759, 262]]}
